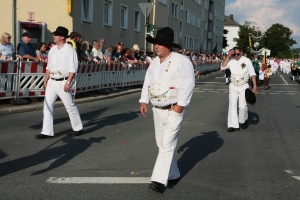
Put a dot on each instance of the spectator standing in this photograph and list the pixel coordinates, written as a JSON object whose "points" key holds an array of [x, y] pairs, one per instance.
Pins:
{"points": [[73, 39], [41, 52], [25, 49], [49, 46], [97, 55], [6, 47]]}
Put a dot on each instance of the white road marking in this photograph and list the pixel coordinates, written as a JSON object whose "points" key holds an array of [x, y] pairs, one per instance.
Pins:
{"points": [[98, 180], [210, 82], [274, 93], [292, 91], [199, 91], [283, 80], [222, 89], [296, 177], [208, 89], [289, 171], [279, 91]]}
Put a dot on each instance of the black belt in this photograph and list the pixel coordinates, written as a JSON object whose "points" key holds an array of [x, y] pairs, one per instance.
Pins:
{"points": [[60, 79], [165, 107]]}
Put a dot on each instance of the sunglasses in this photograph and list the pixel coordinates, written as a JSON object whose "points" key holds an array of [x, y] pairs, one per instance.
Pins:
{"points": [[237, 54]]}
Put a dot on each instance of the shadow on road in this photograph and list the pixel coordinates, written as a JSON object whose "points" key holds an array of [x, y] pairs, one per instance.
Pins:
{"points": [[62, 154], [95, 122], [253, 118], [197, 149]]}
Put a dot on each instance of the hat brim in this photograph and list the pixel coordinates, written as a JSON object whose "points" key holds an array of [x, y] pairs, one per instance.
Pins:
{"points": [[250, 96], [60, 34], [155, 41]]}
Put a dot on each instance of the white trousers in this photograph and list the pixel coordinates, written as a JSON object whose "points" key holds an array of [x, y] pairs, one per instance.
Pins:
{"points": [[167, 124], [53, 90], [237, 96]]}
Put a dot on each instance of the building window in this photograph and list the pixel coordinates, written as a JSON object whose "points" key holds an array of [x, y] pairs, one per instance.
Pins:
{"points": [[87, 11], [107, 14], [175, 10], [137, 20], [187, 16], [164, 2], [175, 38], [191, 43], [182, 5], [124, 17], [186, 42], [180, 29]]}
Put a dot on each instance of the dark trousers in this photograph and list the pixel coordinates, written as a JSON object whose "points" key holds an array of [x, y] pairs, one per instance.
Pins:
{"points": [[266, 82]]}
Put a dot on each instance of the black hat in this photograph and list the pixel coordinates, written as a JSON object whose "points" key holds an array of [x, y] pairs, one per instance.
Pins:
{"points": [[26, 34], [62, 31], [250, 96], [164, 36]]}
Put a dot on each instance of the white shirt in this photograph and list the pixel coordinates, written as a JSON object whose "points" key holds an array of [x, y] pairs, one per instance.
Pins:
{"points": [[187, 81], [239, 62], [63, 59], [97, 53], [7, 50]]}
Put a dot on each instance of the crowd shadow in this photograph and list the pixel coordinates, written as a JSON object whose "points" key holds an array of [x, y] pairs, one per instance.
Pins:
{"points": [[253, 118], [62, 154], [95, 122], [195, 150]]}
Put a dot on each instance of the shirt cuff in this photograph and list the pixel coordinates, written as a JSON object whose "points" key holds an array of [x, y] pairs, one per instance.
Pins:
{"points": [[146, 101], [183, 104]]}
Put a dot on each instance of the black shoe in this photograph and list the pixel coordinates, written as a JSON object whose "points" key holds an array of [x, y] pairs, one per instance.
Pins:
{"points": [[230, 129], [77, 133], [157, 187], [244, 125], [41, 136]]}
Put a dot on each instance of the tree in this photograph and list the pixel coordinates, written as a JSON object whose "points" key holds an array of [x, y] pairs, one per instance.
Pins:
{"points": [[243, 40], [280, 41]]}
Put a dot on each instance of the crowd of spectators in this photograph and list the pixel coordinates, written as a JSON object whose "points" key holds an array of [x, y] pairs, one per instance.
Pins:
{"points": [[94, 51]]}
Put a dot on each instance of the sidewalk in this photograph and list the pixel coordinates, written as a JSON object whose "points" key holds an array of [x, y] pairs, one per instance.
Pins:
{"points": [[34, 106]]}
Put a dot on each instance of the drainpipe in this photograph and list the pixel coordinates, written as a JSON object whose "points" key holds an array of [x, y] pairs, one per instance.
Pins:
{"points": [[14, 36]]}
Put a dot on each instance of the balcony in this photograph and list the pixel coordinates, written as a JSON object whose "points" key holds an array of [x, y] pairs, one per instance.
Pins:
{"points": [[210, 16], [209, 35]]}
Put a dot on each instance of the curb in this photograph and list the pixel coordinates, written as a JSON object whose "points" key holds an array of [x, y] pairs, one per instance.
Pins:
{"points": [[40, 105]]}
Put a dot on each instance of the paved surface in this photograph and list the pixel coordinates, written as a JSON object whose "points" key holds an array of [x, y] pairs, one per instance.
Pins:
{"points": [[261, 162]]}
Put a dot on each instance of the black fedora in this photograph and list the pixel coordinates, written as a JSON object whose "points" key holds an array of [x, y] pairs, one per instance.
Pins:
{"points": [[164, 36], [62, 31], [250, 96]]}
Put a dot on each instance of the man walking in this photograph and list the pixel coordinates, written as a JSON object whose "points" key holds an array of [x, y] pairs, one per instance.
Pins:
{"points": [[241, 69], [168, 85], [60, 71]]}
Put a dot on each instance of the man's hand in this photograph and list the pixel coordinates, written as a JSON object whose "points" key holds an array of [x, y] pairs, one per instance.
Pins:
{"points": [[177, 108], [143, 109], [67, 87], [254, 90], [45, 85], [230, 53]]}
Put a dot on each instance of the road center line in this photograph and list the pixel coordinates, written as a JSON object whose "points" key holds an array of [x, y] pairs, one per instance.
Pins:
{"points": [[283, 79], [98, 180]]}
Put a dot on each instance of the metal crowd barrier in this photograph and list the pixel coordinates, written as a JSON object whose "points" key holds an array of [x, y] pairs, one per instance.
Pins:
{"points": [[25, 79]]}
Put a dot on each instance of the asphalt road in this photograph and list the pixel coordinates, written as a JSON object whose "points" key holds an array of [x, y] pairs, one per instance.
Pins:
{"points": [[260, 162]]}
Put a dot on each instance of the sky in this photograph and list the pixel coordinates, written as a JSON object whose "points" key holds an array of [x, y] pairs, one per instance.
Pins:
{"points": [[267, 12]]}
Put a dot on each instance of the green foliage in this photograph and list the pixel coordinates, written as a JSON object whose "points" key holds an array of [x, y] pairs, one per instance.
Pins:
{"points": [[279, 39], [243, 40]]}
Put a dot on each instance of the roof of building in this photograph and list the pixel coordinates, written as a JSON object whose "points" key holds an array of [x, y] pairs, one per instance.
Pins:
{"points": [[228, 20]]}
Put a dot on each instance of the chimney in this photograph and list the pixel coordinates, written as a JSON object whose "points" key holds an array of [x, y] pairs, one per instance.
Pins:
{"points": [[231, 16]]}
